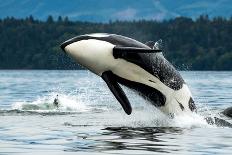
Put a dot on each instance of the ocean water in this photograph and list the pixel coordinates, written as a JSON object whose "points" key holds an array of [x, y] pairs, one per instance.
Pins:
{"points": [[89, 120]]}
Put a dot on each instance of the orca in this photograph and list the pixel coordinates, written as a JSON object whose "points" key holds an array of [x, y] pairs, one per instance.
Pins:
{"points": [[120, 60], [218, 122], [228, 112]]}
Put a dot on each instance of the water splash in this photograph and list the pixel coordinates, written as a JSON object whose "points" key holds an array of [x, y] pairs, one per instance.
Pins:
{"points": [[66, 103], [152, 117], [110, 114]]}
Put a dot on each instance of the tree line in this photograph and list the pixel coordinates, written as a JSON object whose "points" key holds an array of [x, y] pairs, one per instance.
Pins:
{"points": [[201, 44]]}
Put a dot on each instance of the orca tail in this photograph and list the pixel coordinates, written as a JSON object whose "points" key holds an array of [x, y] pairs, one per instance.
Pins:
{"points": [[218, 122]]}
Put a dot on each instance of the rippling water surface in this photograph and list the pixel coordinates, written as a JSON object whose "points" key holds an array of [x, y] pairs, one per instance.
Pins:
{"points": [[90, 121]]}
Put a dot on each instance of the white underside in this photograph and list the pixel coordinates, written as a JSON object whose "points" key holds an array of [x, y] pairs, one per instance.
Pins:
{"points": [[97, 56]]}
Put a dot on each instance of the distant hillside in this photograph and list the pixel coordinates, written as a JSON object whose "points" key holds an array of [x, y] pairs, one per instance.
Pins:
{"points": [[105, 10], [202, 44]]}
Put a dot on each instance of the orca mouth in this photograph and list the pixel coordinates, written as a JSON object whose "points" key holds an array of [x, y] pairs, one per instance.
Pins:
{"points": [[64, 44], [72, 40], [68, 42]]}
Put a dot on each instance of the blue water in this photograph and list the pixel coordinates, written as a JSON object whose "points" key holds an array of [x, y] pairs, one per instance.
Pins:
{"points": [[90, 121]]}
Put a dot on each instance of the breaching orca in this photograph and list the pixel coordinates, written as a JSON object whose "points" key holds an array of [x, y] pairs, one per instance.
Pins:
{"points": [[141, 67]]}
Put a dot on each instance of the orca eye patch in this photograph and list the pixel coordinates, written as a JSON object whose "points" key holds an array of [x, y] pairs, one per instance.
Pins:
{"points": [[118, 50], [130, 57]]}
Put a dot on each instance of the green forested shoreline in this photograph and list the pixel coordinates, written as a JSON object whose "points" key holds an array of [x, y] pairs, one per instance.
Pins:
{"points": [[201, 44]]}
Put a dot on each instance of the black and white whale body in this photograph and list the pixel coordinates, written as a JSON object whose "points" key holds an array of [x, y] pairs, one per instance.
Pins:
{"points": [[228, 112], [141, 67]]}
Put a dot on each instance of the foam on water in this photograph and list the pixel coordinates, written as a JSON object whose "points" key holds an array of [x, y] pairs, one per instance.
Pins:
{"points": [[67, 103], [152, 117], [144, 114]]}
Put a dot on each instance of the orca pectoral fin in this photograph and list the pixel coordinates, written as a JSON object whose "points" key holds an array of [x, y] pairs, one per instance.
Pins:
{"points": [[115, 88]]}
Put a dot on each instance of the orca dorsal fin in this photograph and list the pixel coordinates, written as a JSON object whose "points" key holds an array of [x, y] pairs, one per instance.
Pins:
{"points": [[150, 44], [115, 88], [158, 45], [155, 45]]}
